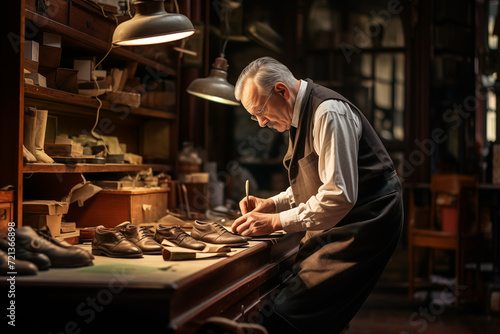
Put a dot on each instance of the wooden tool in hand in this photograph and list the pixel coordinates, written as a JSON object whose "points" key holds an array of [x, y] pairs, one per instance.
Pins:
{"points": [[246, 191]]}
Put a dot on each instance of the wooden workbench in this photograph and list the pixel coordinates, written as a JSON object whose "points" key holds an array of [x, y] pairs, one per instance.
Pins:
{"points": [[151, 295]]}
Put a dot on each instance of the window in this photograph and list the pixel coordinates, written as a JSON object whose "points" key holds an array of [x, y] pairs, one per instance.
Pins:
{"points": [[360, 53]]}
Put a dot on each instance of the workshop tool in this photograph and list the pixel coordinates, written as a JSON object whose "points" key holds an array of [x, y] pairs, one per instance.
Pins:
{"points": [[246, 191]]}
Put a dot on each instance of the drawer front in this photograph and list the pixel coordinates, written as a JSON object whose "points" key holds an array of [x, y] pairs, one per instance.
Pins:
{"points": [[5, 216], [90, 22], [56, 10], [148, 208]]}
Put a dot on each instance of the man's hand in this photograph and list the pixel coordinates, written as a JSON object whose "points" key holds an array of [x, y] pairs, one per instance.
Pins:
{"points": [[257, 204], [257, 223]]}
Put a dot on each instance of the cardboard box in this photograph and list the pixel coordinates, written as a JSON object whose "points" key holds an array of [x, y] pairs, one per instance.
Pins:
{"points": [[37, 78], [64, 150], [66, 80], [46, 207], [100, 74], [36, 221], [6, 209], [53, 40], [41, 213], [50, 56], [117, 185], [50, 74], [84, 68], [31, 65], [68, 227], [112, 207], [126, 98], [31, 50]]}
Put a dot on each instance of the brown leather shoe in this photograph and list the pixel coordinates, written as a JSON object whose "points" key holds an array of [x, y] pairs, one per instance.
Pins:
{"points": [[176, 236], [141, 237], [40, 260], [215, 233], [10, 266], [111, 242], [60, 253]]}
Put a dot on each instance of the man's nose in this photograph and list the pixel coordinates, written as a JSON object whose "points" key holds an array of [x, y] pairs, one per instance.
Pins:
{"points": [[263, 121]]}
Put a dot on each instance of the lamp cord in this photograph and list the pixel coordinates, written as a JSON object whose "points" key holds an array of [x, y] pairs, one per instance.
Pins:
{"points": [[183, 42], [94, 78], [104, 13], [226, 11]]}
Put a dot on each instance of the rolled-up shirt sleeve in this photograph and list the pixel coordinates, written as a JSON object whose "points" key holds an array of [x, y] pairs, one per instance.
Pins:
{"points": [[336, 134], [284, 200]]}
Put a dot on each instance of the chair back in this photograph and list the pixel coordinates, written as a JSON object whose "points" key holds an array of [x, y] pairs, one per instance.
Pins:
{"points": [[451, 184], [454, 201]]}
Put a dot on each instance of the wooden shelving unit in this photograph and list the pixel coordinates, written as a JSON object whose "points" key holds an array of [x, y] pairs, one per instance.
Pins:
{"points": [[85, 30], [60, 100], [77, 39], [91, 168]]}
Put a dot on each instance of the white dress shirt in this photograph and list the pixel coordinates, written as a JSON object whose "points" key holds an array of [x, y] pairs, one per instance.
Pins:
{"points": [[336, 133]]}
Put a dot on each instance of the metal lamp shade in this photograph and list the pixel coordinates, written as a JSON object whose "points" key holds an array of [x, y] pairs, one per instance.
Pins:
{"points": [[215, 87], [151, 24]]}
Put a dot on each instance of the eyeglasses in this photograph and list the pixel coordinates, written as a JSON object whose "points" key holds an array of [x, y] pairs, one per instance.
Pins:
{"points": [[261, 111]]}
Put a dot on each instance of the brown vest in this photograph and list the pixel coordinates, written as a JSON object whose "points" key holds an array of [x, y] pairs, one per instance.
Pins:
{"points": [[301, 161]]}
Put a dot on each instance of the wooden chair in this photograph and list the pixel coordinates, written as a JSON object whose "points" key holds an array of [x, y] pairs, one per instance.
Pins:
{"points": [[454, 201]]}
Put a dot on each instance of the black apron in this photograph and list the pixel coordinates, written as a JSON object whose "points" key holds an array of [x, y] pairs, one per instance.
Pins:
{"points": [[336, 269]]}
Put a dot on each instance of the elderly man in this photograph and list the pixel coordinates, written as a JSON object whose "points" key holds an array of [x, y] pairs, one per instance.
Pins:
{"points": [[344, 194]]}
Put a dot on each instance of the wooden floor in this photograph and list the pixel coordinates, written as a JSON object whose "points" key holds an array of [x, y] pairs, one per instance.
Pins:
{"points": [[390, 312]]}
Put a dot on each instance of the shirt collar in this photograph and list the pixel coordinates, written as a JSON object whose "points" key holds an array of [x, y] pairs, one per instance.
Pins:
{"points": [[298, 103]]}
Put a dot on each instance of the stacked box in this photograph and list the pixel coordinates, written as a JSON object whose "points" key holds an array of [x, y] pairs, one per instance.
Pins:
{"points": [[41, 213], [64, 150], [6, 209], [111, 207]]}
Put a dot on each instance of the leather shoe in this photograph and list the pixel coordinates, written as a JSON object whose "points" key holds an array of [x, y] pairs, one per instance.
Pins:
{"points": [[60, 253], [215, 233], [177, 237], [111, 242], [40, 260], [17, 267], [141, 237]]}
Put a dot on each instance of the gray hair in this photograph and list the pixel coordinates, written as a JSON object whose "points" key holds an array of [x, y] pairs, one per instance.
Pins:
{"points": [[266, 72]]}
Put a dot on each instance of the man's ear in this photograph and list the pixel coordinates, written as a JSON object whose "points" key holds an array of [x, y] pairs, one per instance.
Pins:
{"points": [[282, 90]]}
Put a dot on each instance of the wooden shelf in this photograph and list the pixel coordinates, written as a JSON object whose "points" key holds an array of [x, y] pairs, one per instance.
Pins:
{"points": [[60, 100], [75, 38], [90, 168]]}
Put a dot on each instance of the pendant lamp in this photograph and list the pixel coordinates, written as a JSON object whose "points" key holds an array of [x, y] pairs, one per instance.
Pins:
{"points": [[215, 87], [151, 24]]}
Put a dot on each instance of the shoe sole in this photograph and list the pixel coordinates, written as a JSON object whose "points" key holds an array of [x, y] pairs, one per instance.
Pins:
{"points": [[104, 253], [216, 242], [241, 244], [173, 244], [158, 252]]}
